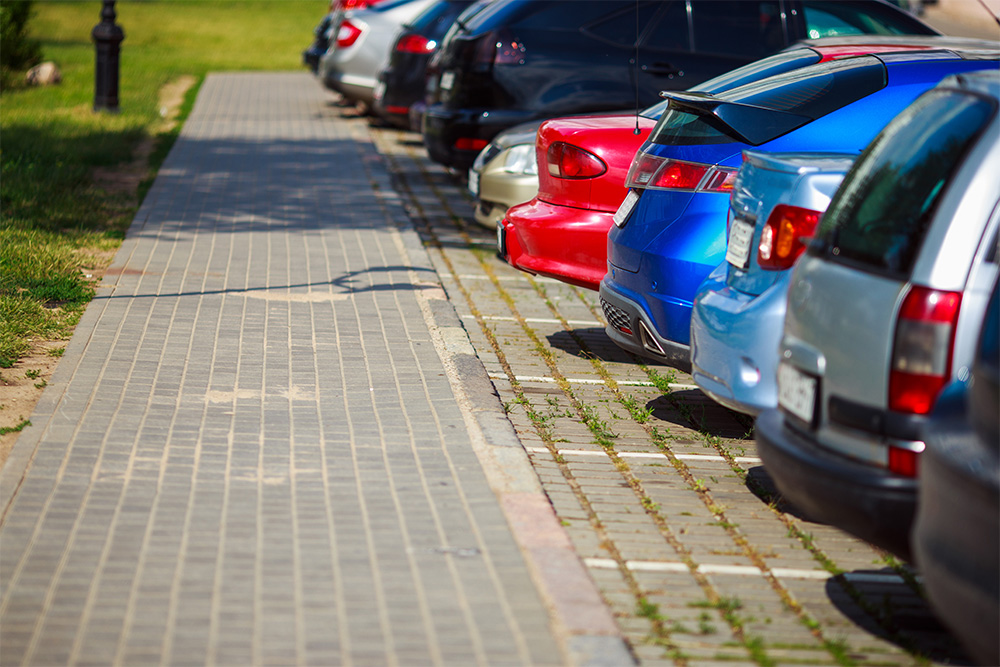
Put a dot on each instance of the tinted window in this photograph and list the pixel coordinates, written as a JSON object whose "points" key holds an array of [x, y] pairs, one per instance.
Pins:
{"points": [[436, 20], [670, 32], [829, 18], [879, 216], [738, 27], [623, 27], [569, 14], [811, 92]]}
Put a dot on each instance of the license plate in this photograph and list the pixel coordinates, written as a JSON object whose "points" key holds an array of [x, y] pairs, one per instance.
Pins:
{"points": [[797, 392], [379, 91], [447, 80], [621, 215], [738, 250], [474, 182]]}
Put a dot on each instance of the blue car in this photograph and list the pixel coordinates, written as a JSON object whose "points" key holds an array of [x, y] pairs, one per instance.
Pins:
{"points": [[739, 310], [670, 231]]}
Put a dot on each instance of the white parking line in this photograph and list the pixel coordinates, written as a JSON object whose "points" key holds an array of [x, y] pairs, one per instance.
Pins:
{"points": [[647, 455], [622, 383], [744, 570], [535, 320]]}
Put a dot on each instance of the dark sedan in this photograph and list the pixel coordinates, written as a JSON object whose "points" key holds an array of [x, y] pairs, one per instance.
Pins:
{"points": [[522, 60]]}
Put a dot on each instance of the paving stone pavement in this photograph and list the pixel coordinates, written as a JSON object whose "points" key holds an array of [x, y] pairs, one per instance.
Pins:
{"points": [[257, 449]]}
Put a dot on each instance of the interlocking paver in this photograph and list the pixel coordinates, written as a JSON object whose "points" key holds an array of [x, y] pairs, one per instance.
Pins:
{"points": [[253, 452]]}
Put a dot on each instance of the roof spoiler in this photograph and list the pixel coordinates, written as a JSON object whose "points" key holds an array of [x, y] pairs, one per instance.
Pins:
{"points": [[750, 124]]}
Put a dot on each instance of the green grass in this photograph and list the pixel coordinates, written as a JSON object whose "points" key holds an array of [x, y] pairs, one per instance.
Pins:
{"points": [[54, 219]]}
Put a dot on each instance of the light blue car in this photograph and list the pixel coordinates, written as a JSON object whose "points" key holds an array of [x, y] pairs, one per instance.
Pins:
{"points": [[739, 310]]}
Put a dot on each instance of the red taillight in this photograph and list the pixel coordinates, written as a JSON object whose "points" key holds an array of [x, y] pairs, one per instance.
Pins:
{"points": [[569, 161], [903, 461], [677, 175], [781, 239], [347, 34], [470, 144], [413, 43], [659, 173], [922, 350]]}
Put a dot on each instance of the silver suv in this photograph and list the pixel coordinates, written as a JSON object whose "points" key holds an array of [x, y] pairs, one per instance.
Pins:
{"points": [[884, 309]]}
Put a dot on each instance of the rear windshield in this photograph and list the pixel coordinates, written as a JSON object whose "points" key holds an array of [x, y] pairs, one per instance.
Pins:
{"points": [[879, 216], [545, 14], [811, 92], [436, 19]]}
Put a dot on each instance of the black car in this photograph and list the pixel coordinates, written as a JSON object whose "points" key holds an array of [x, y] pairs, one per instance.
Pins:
{"points": [[522, 60], [402, 81], [956, 539]]}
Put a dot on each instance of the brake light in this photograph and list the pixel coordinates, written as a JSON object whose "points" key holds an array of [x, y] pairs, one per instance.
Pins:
{"points": [[413, 43], [500, 48], [922, 350], [347, 34], [781, 239], [658, 173], [470, 144], [569, 161]]}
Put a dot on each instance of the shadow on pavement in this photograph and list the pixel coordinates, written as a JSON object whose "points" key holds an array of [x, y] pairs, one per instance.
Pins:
{"points": [[884, 604]]}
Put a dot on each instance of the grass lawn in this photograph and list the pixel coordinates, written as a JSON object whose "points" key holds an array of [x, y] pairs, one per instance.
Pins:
{"points": [[63, 212]]}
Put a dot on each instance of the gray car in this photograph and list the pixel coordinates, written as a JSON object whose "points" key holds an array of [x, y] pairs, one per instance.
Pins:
{"points": [[884, 310], [359, 46]]}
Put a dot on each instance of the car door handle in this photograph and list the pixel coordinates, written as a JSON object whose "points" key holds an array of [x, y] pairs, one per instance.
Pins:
{"points": [[662, 69]]}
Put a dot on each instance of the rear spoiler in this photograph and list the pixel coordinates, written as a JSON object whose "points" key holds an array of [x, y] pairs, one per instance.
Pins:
{"points": [[750, 124]]}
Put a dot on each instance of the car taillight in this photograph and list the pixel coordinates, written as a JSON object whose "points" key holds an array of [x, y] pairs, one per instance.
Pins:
{"points": [[347, 34], [499, 48], [781, 239], [569, 161], [922, 350], [413, 43], [658, 173]]}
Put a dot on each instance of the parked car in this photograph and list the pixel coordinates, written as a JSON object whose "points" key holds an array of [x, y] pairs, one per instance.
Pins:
{"points": [[562, 233], [324, 32], [504, 174], [361, 47], [402, 81], [956, 537], [739, 309], [671, 232], [522, 60], [884, 310]]}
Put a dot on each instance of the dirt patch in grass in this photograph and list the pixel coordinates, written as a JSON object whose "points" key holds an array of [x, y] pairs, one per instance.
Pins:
{"points": [[21, 386]]}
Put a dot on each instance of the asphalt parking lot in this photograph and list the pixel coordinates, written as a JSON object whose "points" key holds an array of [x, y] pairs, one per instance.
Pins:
{"points": [[658, 488]]}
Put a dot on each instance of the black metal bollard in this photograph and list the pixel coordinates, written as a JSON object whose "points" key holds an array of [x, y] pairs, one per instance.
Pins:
{"points": [[107, 35]]}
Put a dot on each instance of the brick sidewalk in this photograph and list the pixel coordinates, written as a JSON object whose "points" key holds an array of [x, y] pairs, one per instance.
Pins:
{"points": [[252, 452]]}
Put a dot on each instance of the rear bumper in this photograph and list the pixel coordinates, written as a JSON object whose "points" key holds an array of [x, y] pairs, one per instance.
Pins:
{"points": [[631, 328], [568, 244], [734, 343], [870, 503]]}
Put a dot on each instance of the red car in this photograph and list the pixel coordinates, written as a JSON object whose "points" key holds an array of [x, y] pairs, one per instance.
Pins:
{"points": [[583, 160]]}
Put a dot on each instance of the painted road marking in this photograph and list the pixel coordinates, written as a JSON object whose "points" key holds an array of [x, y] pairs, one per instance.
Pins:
{"points": [[753, 460]]}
